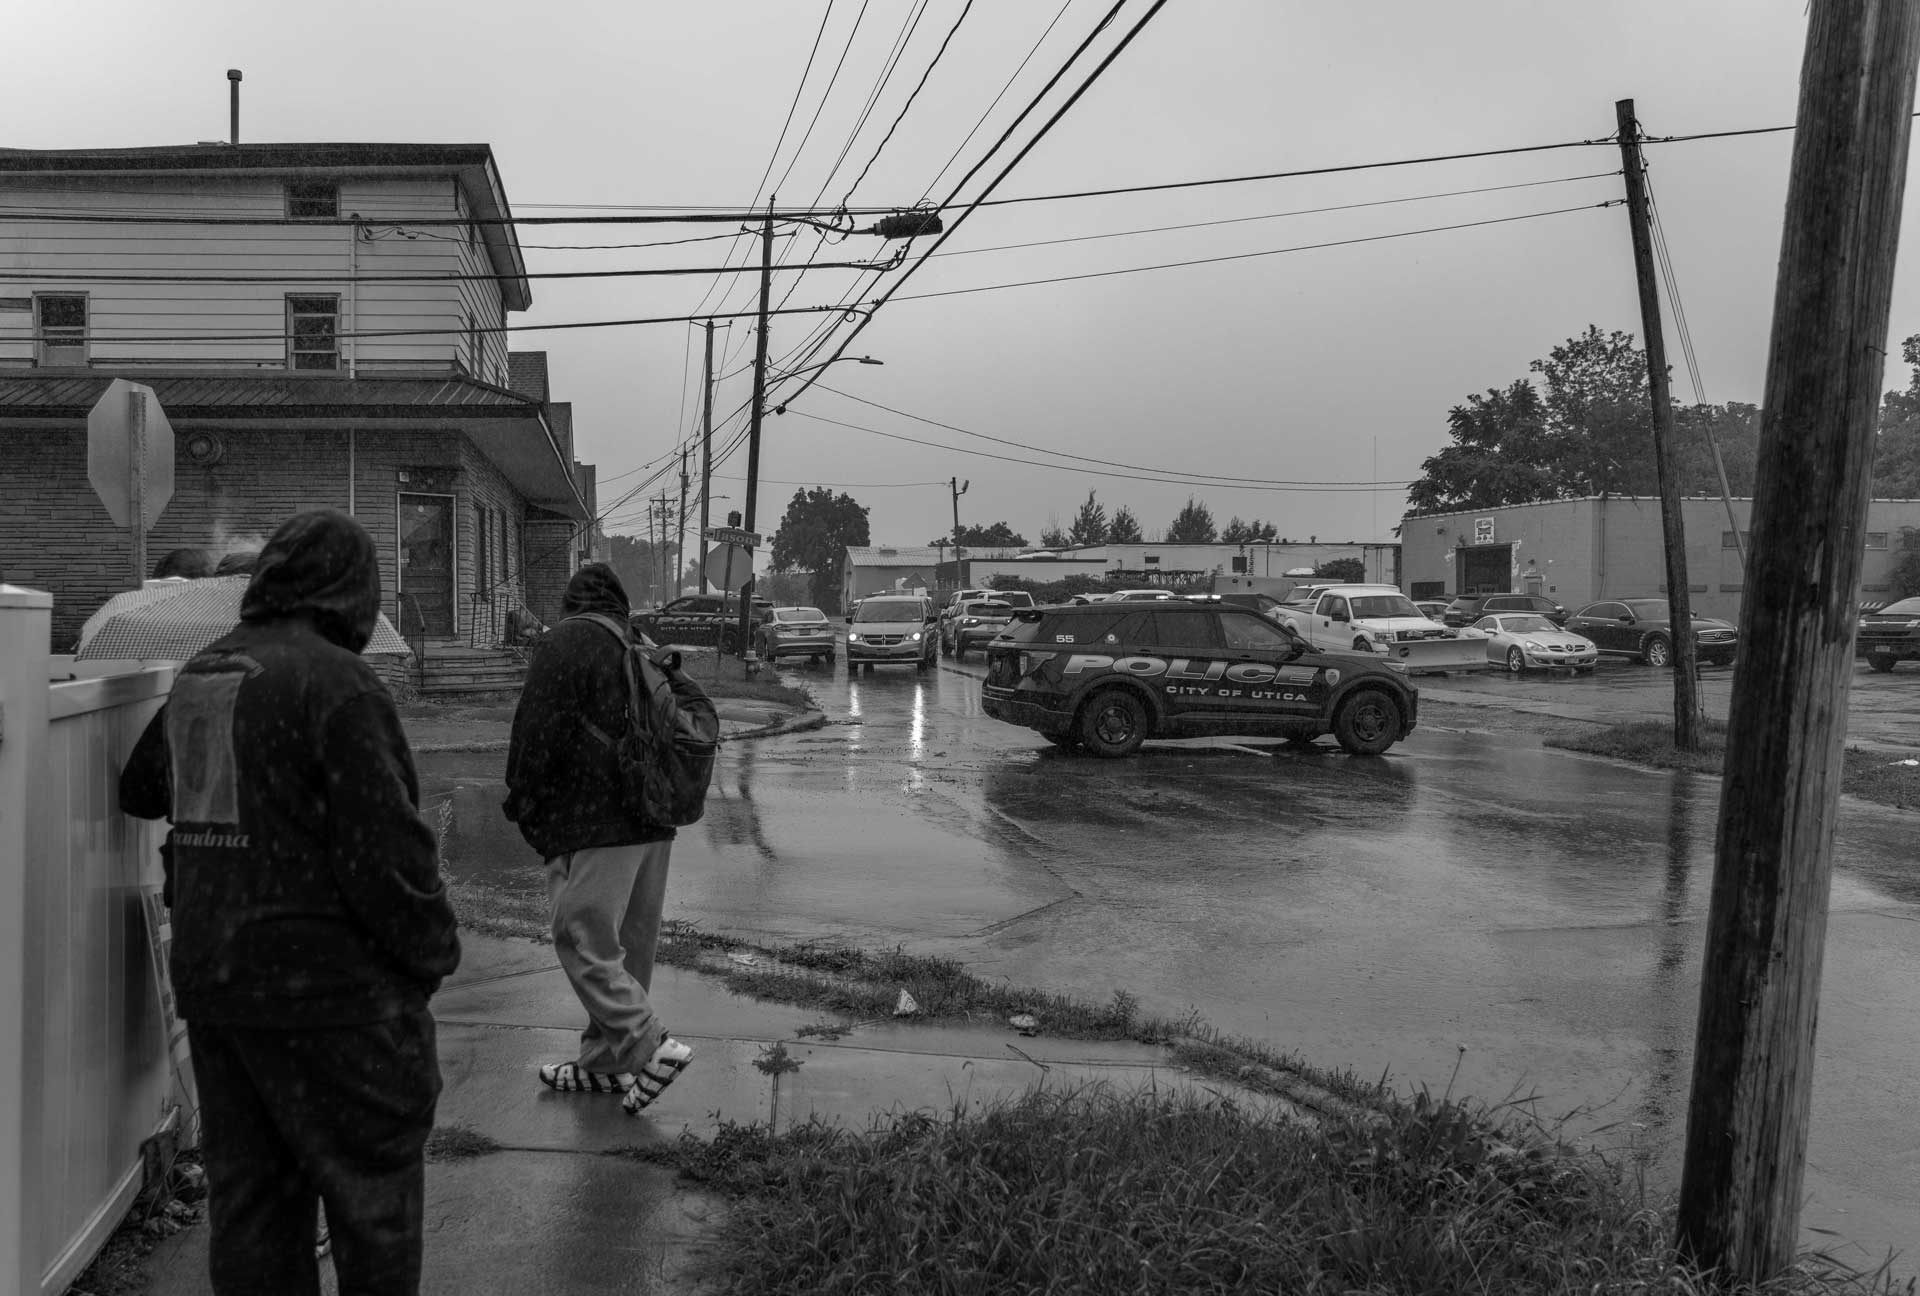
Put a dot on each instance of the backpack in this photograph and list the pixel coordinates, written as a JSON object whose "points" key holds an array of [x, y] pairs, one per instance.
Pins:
{"points": [[666, 754]]}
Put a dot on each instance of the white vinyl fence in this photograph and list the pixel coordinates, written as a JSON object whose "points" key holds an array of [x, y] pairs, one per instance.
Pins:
{"points": [[83, 1039]]}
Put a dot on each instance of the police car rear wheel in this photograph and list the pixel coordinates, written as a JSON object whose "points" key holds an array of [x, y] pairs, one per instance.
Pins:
{"points": [[1367, 722], [1113, 724]]}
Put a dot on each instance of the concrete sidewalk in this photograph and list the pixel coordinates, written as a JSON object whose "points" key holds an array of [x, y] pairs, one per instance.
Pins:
{"points": [[558, 1208]]}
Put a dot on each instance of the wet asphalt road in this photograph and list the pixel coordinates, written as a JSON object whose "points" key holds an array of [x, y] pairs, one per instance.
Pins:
{"points": [[1532, 917]]}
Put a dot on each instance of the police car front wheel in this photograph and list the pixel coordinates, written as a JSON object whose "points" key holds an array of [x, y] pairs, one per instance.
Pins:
{"points": [[1113, 723], [1367, 723]]}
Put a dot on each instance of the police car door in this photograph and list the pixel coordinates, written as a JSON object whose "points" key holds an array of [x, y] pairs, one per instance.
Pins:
{"points": [[1186, 642], [1261, 672]]}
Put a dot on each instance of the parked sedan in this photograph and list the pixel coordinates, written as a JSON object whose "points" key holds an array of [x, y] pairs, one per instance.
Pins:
{"points": [[796, 632], [1523, 641], [1643, 630]]}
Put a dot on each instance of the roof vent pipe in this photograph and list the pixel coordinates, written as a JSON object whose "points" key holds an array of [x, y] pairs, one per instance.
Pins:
{"points": [[233, 105]]}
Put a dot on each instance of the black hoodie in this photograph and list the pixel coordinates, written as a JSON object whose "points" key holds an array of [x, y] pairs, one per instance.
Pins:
{"points": [[306, 884], [563, 784]]}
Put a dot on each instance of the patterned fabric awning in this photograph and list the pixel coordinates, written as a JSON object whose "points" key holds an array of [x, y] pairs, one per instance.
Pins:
{"points": [[159, 624]]}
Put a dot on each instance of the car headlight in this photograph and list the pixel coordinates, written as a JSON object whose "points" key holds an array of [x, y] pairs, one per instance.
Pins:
{"points": [[853, 636], [971, 621], [1537, 647], [915, 636]]}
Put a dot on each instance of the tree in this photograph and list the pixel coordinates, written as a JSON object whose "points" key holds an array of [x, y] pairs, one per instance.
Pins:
{"points": [[1499, 454], [1123, 527], [636, 561], [1350, 570], [1896, 456], [1238, 532], [1599, 415], [1193, 525], [997, 536], [1089, 524], [814, 536], [1052, 536]]}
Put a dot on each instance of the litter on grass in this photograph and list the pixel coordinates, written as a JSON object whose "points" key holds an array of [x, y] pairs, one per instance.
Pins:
{"points": [[906, 1005]]}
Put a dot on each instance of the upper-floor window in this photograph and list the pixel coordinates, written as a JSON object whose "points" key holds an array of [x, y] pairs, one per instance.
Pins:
{"points": [[1876, 539], [476, 349], [61, 328], [313, 331], [310, 201]]}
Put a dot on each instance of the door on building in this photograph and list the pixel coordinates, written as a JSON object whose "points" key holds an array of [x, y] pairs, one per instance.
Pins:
{"points": [[1536, 582], [1485, 569], [426, 563]]}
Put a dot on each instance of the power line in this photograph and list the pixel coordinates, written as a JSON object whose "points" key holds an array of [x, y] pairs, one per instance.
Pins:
{"points": [[1165, 479], [1665, 261], [931, 64], [1198, 479], [1244, 256], [426, 278], [988, 112]]}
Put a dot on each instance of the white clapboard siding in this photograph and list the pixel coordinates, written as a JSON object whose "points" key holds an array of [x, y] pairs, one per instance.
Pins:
{"points": [[210, 323]]}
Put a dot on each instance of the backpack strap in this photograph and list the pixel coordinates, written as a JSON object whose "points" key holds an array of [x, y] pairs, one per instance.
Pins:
{"points": [[635, 722]]}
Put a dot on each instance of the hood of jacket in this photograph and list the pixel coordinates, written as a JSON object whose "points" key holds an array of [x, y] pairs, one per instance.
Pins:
{"points": [[320, 566], [595, 588]]}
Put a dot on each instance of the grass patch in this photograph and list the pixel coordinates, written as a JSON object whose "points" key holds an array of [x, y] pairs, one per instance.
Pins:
{"points": [[726, 677], [1089, 1191], [1870, 775], [501, 911], [458, 1142]]}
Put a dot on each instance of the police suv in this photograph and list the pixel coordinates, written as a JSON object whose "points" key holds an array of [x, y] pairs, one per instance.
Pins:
{"points": [[1108, 676]]}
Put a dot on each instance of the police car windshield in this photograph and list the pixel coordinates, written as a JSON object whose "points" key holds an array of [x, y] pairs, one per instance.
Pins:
{"points": [[1384, 605], [888, 610]]}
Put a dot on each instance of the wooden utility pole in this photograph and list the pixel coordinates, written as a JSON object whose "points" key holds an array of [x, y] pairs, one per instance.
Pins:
{"points": [[958, 488], [1686, 679], [1760, 982], [680, 547], [757, 416], [706, 458]]}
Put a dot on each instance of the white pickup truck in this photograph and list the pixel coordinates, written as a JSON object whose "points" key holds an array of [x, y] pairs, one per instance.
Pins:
{"points": [[1379, 618]]}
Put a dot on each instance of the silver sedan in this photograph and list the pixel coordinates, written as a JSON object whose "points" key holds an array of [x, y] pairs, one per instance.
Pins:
{"points": [[1523, 641]]}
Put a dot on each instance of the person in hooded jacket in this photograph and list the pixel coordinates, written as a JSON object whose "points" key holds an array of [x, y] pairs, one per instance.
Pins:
{"points": [[606, 868], [310, 924]]}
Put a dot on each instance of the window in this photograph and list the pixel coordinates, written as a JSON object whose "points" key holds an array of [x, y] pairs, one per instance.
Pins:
{"points": [[62, 328], [1876, 539], [1726, 540], [1240, 564], [313, 201], [1189, 630], [476, 353], [483, 551], [313, 332], [1250, 631], [1151, 560]]}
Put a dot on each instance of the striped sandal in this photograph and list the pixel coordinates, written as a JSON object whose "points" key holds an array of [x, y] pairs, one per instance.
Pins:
{"points": [[571, 1077], [666, 1064]]}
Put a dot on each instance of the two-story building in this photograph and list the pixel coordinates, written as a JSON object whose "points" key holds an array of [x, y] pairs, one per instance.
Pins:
{"points": [[323, 326]]}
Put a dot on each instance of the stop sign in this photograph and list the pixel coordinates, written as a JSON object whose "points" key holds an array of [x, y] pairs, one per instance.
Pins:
{"points": [[728, 566], [113, 458]]}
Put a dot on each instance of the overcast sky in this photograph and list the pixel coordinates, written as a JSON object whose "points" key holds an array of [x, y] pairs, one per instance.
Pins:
{"points": [[1336, 364]]}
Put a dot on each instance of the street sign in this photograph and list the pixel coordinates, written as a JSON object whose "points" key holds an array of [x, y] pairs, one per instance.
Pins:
{"points": [[734, 536], [130, 453], [729, 566]]}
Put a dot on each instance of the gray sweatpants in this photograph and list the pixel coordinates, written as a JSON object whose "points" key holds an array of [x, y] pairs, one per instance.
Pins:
{"points": [[606, 903]]}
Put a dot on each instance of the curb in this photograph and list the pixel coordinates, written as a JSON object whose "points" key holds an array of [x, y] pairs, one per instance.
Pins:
{"points": [[793, 724]]}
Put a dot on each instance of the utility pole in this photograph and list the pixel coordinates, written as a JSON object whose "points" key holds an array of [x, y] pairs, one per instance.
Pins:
{"points": [[1686, 681], [753, 426], [1740, 1190], [958, 488], [681, 547], [706, 458]]}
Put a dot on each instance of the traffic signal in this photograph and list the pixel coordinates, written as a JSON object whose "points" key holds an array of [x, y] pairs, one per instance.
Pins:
{"points": [[908, 224]]}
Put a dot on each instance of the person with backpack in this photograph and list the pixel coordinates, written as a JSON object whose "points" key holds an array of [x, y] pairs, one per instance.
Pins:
{"points": [[585, 755]]}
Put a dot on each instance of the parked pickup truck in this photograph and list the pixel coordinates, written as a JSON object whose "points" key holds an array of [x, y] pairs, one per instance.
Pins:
{"points": [[1891, 634], [1379, 618]]}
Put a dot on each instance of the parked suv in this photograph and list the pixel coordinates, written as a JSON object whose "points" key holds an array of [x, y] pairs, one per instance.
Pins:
{"points": [[977, 623], [1108, 676], [1468, 608], [711, 620], [1891, 634], [897, 628]]}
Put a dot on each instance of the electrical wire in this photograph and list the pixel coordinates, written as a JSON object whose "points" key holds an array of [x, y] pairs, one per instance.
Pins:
{"points": [[982, 120], [1164, 478], [435, 277], [931, 65], [1665, 261], [832, 80], [1198, 479], [1246, 256]]}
